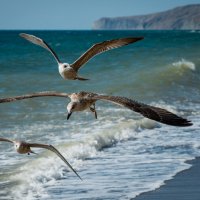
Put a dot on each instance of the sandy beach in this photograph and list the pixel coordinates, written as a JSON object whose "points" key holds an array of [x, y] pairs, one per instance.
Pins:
{"points": [[184, 186]]}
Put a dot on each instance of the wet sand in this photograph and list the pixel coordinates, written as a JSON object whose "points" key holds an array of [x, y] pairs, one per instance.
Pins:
{"points": [[184, 186]]}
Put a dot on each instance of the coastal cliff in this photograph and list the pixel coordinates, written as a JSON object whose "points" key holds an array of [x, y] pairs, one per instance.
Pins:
{"points": [[179, 18]]}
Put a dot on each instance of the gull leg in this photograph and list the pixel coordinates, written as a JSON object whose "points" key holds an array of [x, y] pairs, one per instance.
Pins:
{"points": [[94, 111], [31, 152]]}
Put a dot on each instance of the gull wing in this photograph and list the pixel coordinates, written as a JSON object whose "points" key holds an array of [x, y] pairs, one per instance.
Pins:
{"points": [[53, 149], [40, 42], [100, 48], [37, 94], [151, 112], [6, 140]]}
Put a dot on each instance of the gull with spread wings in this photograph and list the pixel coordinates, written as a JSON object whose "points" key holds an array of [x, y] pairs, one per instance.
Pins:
{"points": [[70, 71], [86, 101], [24, 147]]}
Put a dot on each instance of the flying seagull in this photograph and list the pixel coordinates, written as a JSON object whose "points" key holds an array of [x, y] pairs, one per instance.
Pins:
{"points": [[24, 147], [70, 71], [86, 101]]}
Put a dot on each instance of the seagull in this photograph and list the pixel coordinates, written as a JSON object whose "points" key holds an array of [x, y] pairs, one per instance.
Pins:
{"points": [[86, 101], [70, 71], [24, 147]]}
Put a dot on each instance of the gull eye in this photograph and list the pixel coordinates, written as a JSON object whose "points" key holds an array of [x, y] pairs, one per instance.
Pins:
{"points": [[65, 66]]}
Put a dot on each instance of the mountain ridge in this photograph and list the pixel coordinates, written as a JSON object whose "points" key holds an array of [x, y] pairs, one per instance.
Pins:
{"points": [[179, 18]]}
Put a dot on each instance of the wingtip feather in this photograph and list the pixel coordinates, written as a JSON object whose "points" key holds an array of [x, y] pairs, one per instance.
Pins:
{"points": [[182, 123]]}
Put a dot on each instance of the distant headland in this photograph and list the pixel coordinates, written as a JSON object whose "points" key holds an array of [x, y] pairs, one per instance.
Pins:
{"points": [[180, 18]]}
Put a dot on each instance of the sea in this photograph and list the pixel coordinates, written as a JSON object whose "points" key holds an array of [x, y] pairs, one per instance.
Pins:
{"points": [[119, 155]]}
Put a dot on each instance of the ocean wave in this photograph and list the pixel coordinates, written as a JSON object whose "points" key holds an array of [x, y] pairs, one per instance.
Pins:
{"points": [[85, 151], [34, 180], [33, 176], [163, 79], [184, 64], [194, 31], [177, 69]]}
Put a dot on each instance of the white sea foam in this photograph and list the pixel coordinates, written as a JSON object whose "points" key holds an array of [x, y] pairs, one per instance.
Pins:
{"points": [[137, 145], [184, 64], [34, 177]]}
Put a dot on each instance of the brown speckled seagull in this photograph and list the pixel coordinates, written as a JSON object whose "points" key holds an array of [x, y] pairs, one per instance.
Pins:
{"points": [[86, 100], [70, 71], [24, 147]]}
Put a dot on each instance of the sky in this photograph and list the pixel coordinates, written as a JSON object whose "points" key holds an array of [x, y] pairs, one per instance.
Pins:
{"points": [[74, 14]]}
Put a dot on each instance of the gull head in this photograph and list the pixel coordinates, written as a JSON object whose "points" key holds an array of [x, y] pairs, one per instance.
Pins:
{"points": [[71, 107], [22, 147], [16, 145], [63, 67], [66, 71]]}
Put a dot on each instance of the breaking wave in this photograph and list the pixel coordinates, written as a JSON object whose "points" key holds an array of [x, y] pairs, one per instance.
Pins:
{"points": [[42, 175], [184, 65]]}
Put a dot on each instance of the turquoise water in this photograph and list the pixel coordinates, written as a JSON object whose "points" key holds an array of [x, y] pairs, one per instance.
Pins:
{"points": [[121, 154]]}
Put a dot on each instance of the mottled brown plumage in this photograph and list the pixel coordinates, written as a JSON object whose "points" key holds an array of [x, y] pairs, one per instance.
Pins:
{"points": [[86, 100]]}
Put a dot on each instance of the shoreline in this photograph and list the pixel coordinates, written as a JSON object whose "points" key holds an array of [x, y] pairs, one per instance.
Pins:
{"points": [[185, 185]]}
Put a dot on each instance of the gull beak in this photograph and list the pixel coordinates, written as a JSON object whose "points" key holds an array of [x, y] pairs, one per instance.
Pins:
{"points": [[68, 116]]}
